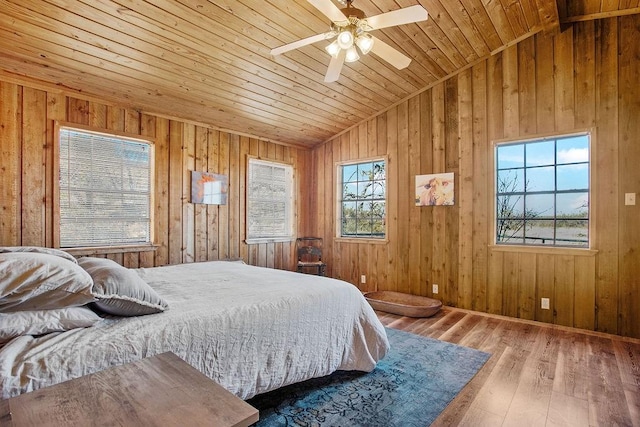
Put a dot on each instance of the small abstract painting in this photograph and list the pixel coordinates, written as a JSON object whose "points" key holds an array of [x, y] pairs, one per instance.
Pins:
{"points": [[209, 188], [434, 190]]}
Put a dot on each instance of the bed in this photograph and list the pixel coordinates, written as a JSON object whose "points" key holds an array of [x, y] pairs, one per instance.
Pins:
{"points": [[250, 329]]}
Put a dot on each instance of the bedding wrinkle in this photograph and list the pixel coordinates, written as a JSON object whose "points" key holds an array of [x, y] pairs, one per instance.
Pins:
{"points": [[38, 281], [250, 329]]}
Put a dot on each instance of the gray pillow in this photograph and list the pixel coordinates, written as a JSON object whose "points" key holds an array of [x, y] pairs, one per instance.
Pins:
{"points": [[39, 322], [40, 281], [40, 250], [119, 290]]}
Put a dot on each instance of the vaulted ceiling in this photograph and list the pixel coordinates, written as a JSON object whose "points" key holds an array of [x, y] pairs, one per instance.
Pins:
{"points": [[209, 61]]}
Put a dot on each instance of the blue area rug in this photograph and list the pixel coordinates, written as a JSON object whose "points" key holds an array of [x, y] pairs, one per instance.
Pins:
{"points": [[410, 387]]}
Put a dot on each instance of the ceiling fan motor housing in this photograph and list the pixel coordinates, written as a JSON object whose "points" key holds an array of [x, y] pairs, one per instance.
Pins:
{"points": [[354, 22], [353, 12]]}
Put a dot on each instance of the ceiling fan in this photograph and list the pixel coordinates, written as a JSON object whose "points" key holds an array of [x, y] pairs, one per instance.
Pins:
{"points": [[351, 29]]}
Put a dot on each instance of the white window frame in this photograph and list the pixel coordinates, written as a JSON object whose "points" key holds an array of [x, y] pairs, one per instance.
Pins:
{"points": [[556, 248], [256, 205], [339, 199], [103, 242]]}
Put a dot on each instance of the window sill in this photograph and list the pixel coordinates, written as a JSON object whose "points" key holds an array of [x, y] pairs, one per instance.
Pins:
{"points": [[362, 240], [268, 240], [544, 250], [103, 250]]}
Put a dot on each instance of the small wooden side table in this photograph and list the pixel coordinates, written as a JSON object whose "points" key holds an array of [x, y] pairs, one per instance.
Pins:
{"points": [[162, 390]]}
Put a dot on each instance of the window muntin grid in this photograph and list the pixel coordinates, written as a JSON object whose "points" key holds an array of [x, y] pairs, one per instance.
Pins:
{"points": [[362, 201], [542, 192]]}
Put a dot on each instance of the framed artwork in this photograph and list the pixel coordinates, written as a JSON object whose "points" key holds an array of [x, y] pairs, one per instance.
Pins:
{"points": [[434, 189], [209, 188]]}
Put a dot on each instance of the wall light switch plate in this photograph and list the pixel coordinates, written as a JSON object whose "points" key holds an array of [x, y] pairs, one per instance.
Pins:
{"points": [[544, 303], [630, 199], [363, 279], [435, 288]]}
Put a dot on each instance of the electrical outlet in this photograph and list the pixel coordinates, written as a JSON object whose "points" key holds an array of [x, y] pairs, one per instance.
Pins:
{"points": [[544, 303], [630, 199], [363, 279], [435, 288]]}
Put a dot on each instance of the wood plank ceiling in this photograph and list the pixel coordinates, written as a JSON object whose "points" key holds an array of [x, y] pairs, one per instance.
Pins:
{"points": [[209, 61]]}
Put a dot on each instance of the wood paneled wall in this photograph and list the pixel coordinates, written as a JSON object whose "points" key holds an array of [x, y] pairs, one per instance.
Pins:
{"points": [[184, 232], [583, 78]]}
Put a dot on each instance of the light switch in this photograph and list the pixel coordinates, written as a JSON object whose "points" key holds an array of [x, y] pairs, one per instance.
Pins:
{"points": [[630, 199]]}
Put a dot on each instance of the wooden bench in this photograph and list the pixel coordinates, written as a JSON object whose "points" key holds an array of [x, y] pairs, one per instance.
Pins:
{"points": [[162, 390]]}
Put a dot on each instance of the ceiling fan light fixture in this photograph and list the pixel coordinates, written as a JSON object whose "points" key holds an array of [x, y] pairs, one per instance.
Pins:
{"points": [[365, 43], [345, 38], [333, 49], [351, 55]]}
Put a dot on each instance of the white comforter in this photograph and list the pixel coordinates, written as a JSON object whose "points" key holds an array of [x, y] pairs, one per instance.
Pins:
{"points": [[250, 329]]}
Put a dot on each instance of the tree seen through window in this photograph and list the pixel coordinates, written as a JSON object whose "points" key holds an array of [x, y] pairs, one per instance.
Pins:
{"points": [[363, 204], [542, 192]]}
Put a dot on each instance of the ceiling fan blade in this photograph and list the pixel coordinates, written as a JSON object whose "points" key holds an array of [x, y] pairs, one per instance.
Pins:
{"points": [[302, 42], [389, 54], [329, 10], [335, 66], [406, 15]]}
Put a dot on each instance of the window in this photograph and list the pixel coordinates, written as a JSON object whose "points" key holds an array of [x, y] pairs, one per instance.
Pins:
{"points": [[269, 201], [105, 189], [542, 192], [362, 199]]}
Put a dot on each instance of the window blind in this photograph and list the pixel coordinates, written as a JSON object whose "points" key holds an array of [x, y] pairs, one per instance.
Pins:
{"points": [[269, 200], [105, 189]]}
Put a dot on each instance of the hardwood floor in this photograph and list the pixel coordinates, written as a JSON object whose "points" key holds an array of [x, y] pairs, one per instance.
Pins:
{"points": [[538, 374]]}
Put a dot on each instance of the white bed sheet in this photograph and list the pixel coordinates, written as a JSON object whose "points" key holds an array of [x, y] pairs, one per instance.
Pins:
{"points": [[250, 329]]}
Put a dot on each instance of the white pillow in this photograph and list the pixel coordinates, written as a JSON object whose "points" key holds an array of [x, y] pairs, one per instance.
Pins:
{"points": [[40, 281], [38, 249], [41, 322], [119, 290]]}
